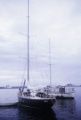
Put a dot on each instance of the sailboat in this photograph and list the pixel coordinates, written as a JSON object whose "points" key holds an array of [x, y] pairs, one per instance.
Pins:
{"points": [[29, 98]]}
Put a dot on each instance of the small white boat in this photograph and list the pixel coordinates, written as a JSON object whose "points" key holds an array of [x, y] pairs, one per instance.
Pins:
{"points": [[63, 92], [60, 92]]}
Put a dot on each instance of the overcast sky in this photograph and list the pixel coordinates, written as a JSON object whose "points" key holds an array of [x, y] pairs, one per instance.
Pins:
{"points": [[56, 20]]}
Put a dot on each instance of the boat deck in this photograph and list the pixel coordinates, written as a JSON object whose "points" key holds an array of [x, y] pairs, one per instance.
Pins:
{"points": [[37, 98]]}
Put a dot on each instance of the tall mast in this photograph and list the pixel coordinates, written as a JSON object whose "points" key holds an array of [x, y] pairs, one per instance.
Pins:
{"points": [[28, 46], [50, 62]]}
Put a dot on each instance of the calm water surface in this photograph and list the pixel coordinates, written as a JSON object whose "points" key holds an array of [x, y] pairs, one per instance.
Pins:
{"points": [[62, 110]]}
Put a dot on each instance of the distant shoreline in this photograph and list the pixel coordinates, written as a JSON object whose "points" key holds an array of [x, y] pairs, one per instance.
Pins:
{"points": [[11, 87], [26, 87]]}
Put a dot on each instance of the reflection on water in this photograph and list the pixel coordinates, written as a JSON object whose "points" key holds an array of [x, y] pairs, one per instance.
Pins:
{"points": [[29, 114], [26, 114], [66, 109], [68, 105], [9, 113]]}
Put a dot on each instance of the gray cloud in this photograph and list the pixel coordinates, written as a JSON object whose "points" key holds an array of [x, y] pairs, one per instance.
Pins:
{"points": [[58, 20]]}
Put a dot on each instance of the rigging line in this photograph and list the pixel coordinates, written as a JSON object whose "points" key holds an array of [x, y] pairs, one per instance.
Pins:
{"points": [[50, 61], [28, 46], [23, 75]]}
